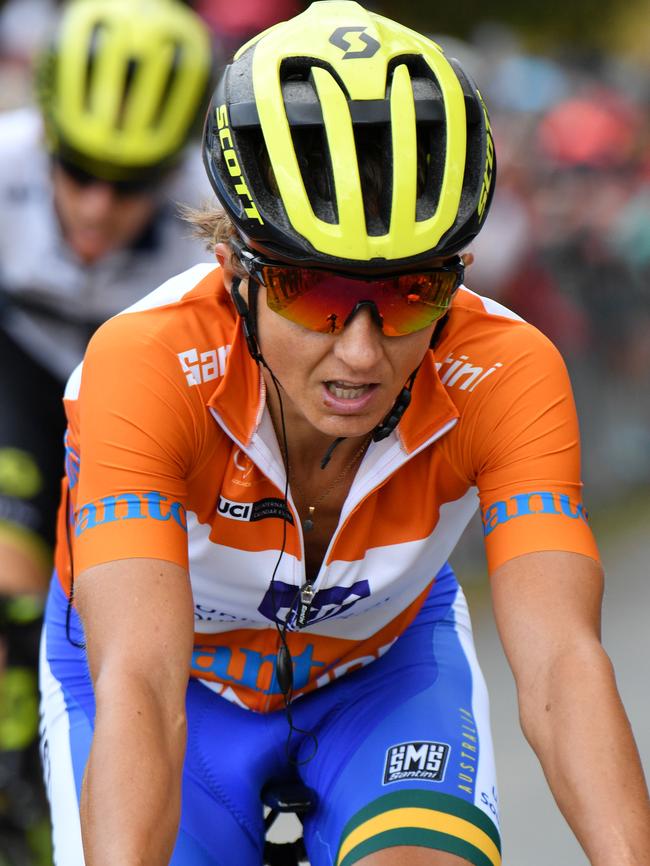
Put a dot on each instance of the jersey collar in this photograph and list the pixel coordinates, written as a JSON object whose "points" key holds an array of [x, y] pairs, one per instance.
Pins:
{"points": [[240, 399]]}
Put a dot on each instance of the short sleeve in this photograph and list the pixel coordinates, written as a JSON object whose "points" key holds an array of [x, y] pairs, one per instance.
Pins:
{"points": [[136, 440], [525, 454]]}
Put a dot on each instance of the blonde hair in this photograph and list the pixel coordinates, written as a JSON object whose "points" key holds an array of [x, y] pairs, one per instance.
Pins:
{"points": [[211, 224]]}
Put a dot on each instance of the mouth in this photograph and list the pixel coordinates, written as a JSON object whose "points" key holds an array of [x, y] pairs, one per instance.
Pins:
{"points": [[348, 390], [345, 398]]}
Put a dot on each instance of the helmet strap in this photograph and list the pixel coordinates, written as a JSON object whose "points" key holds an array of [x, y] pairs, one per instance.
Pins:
{"points": [[401, 404], [394, 416], [247, 317], [437, 331]]}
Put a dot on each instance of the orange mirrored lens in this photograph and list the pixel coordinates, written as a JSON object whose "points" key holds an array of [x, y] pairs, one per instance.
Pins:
{"points": [[323, 301]]}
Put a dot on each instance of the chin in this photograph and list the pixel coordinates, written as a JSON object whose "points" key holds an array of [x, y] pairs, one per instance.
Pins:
{"points": [[90, 252], [347, 427]]}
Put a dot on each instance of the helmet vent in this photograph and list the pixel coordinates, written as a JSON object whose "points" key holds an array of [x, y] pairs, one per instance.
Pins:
{"points": [[308, 136], [431, 148], [431, 134], [312, 153], [93, 46], [295, 69], [374, 158], [129, 77], [170, 81]]}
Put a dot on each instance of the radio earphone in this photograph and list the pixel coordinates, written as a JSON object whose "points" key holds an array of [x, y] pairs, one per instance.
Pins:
{"points": [[392, 419], [246, 316]]}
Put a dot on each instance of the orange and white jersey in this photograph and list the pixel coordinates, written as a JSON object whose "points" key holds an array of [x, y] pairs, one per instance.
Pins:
{"points": [[171, 454]]}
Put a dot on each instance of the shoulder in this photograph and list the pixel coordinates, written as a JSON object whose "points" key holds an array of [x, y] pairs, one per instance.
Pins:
{"points": [[201, 283], [188, 313], [21, 141], [484, 345], [24, 125], [29, 229], [189, 307], [24, 163]]}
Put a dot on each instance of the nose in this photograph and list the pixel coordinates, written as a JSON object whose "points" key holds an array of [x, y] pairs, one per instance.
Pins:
{"points": [[97, 200], [360, 343]]}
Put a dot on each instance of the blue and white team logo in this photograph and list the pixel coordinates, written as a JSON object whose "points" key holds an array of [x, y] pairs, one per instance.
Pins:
{"points": [[424, 761], [282, 602]]}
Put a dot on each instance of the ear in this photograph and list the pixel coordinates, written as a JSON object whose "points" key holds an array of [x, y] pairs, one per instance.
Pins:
{"points": [[224, 256]]}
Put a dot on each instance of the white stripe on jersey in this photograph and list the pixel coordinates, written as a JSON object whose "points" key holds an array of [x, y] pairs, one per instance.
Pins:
{"points": [[494, 307], [59, 771], [396, 575], [173, 289]]}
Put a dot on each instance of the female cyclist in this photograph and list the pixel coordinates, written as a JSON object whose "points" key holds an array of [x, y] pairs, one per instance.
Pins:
{"points": [[268, 464]]}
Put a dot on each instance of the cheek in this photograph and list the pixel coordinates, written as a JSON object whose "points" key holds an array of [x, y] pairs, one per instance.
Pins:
{"points": [[130, 216], [65, 199], [407, 352], [281, 346], [289, 350]]}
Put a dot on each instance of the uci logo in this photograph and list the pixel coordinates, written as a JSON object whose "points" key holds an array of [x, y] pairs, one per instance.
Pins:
{"points": [[234, 510], [251, 512], [371, 46]]}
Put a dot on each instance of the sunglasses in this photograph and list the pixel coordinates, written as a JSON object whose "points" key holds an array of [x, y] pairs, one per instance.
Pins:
{"points": [[325, 301], [122, 188]]}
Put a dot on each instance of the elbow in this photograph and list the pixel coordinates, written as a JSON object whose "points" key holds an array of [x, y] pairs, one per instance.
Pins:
{"points": [[133, 704]]}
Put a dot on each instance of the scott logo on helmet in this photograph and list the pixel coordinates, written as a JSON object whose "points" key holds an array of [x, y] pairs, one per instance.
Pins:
{"points": [[232, 163], [338, 39], [489, 165]]}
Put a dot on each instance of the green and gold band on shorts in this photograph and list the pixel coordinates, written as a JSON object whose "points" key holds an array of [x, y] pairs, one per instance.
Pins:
{"points": [[425, 819]]}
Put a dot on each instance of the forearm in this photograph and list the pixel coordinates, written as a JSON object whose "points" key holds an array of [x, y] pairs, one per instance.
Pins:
{"points": [[130, 802], [576, 723]]}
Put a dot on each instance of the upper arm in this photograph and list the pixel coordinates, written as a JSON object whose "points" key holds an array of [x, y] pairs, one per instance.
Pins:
{"points": [[138, 622], [547, 606], [525, 454], [136, 442]]}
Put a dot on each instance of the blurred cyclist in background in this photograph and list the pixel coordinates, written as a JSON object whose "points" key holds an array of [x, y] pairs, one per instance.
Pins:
{"points": [[88, 223]]}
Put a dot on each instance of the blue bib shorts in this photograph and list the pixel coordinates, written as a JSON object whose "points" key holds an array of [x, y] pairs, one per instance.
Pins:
{"points": [[398, 752]]}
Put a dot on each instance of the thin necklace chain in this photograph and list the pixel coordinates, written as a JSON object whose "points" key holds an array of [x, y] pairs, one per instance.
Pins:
{"points": [[308, 522]]}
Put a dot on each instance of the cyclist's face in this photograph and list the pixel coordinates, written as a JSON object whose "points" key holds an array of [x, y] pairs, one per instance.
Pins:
{"points": [[97, 220], [341, 385]]}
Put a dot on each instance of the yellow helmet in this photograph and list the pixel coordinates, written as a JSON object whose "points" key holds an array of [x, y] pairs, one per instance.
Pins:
{"points": [[123, 83], [342, 139]]}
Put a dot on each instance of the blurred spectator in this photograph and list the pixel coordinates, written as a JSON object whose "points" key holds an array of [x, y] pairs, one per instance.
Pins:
{"points": [[599, 130], [233, 23], [567, 244], [24, 28], [88, 224]]}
